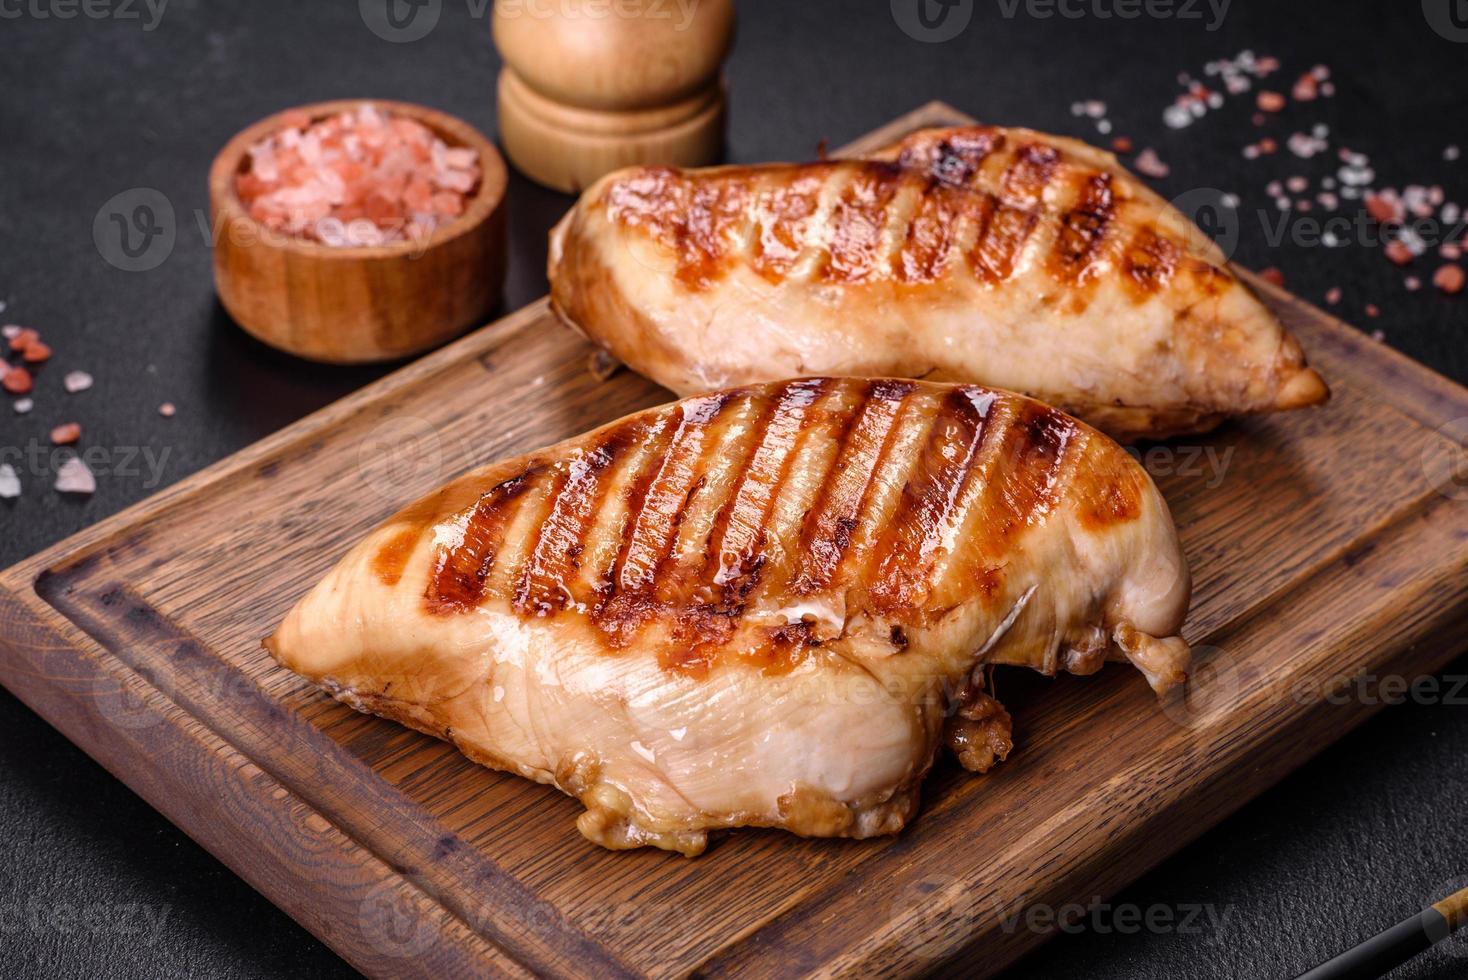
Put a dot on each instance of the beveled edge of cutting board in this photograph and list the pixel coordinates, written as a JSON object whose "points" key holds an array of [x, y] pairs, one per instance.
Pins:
{"points": [[66, 664]]}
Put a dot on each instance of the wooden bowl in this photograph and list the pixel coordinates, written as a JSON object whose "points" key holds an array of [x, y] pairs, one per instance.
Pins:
{"points": [[352, 305]]}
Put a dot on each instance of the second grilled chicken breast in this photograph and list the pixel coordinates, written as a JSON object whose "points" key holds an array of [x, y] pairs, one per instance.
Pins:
{"points": [[981, 254], [768, 606]]}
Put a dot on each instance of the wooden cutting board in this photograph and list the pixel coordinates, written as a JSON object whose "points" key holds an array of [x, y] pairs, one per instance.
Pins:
{"points": [[1329, 549]]}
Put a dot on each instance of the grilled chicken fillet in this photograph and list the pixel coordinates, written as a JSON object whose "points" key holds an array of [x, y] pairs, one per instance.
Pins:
{"points": [[997, 256], [768, 606]]}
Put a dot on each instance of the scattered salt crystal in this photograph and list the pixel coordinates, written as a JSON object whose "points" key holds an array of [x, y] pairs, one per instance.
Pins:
{"points": [[1451, 251], [9, 482], [1327, 200], [1320, 131], [1328, 183], [11, 330], [1274, 188], [1149, 164], [23, 405], [1229, 200], [1103, 126], [3, 305], [1282, 203], [1412, 283], [75, 477], [1449, 279], [1077, 109], [1333, 295], [1095, 108], [167, 410], [1376, 335], [1251, 152], [1327, 89], [1329, 238], [1450, 153], [77, 381], [1297, 184]]}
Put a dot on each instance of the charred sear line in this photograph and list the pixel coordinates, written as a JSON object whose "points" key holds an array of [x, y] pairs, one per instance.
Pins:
{"points": [[956, 158], [657, 505], [1083, 230], [554, 558], [827, 530], [1149, 262], [459, 573], [927, 508], [1030, 173], [859, 219]]}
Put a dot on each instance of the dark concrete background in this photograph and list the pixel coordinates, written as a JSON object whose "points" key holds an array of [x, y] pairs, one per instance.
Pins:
{"points": [[94, 106]]}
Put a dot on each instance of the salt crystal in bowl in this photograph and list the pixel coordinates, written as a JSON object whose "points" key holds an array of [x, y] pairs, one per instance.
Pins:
{"points": [[310, 258]]}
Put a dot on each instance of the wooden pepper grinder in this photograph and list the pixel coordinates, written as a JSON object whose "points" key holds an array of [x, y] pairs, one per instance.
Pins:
{"points": [[590, 86]]}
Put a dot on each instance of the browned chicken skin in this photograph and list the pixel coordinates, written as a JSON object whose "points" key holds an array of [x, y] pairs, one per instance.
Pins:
{"points": [[988, 255], [767, 606]]}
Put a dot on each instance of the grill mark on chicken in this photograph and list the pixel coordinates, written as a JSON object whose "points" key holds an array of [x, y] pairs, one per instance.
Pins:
{"points": [[1029, 175], [828, 526], [955, 159], [547, 584], [1001, 239], [971, 476], [926, 509], [655, 514], [785, 214], [460, 571], [1149, 263], [859, 220], [392, 558], [933, 231], [738, 534], [1083, 230]]}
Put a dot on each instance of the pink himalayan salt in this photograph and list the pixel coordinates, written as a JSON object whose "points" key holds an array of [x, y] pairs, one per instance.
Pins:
{"points": [[75, 477], [361, 177]]}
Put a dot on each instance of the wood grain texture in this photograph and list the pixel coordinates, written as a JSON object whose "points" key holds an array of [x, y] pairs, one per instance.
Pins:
{"points": [[1329, 549]]}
